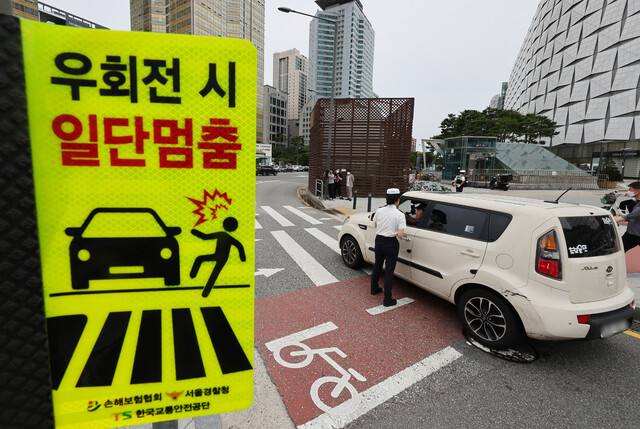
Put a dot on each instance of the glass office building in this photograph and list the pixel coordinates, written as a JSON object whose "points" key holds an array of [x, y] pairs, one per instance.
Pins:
{"points": [[240, 19]]}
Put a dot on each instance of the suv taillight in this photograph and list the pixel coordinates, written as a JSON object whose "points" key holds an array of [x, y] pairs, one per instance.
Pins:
{"points": [[548, 256]]}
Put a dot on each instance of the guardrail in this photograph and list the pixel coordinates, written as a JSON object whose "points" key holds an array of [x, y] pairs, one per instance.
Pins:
{"points": [[319, 189], [540, 179]]}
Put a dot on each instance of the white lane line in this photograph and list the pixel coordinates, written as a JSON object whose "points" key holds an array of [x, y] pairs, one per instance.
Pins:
{"points": [[258, 226], [324, 238], [312, 268], [387, 389], [277, 216], [338, 227], [381, 308], [311, 220]]}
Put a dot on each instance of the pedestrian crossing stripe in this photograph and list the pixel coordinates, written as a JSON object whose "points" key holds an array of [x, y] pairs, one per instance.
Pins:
{"points": [[135, 181]]}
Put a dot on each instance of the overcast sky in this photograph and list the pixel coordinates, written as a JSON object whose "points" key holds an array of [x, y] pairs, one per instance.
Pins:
{"points": [[448, 55]]}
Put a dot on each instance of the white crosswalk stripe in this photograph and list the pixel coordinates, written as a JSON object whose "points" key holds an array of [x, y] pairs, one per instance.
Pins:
{"points": [[311, 220], [258, 226], [277, 216], [312, 268], [324, 238]]}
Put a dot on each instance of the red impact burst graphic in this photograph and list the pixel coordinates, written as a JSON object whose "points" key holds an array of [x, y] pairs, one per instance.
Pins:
{"points": [[209, 201]]}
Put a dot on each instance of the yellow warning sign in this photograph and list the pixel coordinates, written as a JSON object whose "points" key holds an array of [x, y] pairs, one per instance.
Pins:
{"points": [[143, 151]]}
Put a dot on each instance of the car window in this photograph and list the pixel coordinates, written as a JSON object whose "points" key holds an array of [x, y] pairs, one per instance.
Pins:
{"points": [[123, 225], [498, 222], [413, 210], [589, 236], [462, 221]]}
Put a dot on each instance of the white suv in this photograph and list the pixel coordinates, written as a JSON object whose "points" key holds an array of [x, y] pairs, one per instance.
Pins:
{"points": [[511, 265]]}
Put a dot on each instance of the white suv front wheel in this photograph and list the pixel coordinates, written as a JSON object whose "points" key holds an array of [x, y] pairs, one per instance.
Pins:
{"points": [[350, 252], [488, 319]]}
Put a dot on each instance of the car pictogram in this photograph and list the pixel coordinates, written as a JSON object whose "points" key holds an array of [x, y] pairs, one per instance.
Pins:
{"points": [[123, 243]]}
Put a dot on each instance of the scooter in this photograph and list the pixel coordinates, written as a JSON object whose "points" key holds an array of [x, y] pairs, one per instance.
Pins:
{"points": [[501, 182], [611, 204]]}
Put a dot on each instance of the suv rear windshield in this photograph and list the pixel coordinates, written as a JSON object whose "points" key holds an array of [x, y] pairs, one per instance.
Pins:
{"points": [[589, 236]]}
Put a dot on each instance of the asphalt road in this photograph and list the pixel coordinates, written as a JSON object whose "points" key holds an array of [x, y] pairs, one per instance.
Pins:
{"points": [[581, 384]]}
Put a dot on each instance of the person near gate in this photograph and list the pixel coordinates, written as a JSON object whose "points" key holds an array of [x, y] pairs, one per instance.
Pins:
{"points": [[390, 223], [337, 182], [332, 185], [631, 238], [459, 181], [349, 184]]}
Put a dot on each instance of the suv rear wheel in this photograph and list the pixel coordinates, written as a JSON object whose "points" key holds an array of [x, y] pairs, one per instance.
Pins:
{"points": [[488, 319], [350, 251]]}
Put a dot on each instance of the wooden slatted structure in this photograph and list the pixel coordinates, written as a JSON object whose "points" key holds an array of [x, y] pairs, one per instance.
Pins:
{"points": [[372, 139]]}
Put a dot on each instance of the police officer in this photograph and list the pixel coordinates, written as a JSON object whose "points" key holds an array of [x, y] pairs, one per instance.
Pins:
{"points": [[459, 181], [390, 224]]}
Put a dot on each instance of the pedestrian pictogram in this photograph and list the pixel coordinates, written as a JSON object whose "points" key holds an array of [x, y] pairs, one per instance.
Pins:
{"points": [[224, 242], [143, 164]]}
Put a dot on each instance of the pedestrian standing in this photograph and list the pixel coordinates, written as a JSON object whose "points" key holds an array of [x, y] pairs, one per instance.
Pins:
{"points": [[390, 224], [332, 185], [631, 238], [337, 182], [349, 184]]}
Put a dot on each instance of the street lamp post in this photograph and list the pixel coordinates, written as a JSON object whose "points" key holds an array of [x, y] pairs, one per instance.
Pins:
{"points": [[333, 76]]}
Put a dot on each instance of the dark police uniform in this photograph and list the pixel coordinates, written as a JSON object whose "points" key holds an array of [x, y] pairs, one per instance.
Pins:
{"points": [[389, 222]]}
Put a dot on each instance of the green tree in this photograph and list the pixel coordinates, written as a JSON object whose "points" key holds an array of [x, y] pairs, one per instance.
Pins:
{"points": [[506, 125]]}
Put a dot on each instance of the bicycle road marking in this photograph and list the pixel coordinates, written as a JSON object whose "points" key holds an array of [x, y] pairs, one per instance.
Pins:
{"points": [[277, 216], [302, 335], [312, 268], [311, 220], [387, 389], [324, 238], [381, 308]]}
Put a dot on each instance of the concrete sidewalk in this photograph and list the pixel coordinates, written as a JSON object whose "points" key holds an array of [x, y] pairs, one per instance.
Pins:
{"points": [[344, 207]]}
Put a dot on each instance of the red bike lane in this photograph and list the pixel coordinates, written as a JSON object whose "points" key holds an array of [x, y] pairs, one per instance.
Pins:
{"points": [[321, 342]]}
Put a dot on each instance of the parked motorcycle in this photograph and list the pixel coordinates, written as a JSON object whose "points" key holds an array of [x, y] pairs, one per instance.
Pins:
{"points": [[502, 181]]}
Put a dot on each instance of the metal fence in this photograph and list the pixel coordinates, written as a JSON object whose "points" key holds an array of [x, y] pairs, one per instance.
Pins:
{"points": [[540, 179]]}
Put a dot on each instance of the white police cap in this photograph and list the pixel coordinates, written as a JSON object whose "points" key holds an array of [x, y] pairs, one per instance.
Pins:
{"points": [[392, 192]]}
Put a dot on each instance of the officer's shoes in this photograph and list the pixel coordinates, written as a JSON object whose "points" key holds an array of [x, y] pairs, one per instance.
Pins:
{"points": [[376, 291], [389, 302]]}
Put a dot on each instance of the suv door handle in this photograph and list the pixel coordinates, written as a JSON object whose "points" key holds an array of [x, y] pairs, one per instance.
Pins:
{"points": [[406, 239], [470, 253]]}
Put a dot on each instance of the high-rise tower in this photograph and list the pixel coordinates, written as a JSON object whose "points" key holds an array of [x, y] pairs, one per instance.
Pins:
{"points": [[240, 19], [354, 55], [290, 75]]}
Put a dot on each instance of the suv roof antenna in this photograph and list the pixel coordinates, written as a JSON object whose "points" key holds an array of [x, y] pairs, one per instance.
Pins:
{"points": [[558, 199]]}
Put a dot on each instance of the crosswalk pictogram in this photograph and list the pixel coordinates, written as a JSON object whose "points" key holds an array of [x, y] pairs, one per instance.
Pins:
{"points": [[105, 355]]}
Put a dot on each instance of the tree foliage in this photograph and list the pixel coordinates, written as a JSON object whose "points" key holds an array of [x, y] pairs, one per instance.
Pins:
{"points": [[506, 125], [295, 152]]}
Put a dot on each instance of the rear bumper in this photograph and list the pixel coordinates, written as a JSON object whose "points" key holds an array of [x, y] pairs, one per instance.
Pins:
{"points": [[605, 325], [550, 315]]}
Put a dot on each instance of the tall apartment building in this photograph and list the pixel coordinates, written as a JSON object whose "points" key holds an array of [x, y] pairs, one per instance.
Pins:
{"points": [[290, 75], [38, 11], [275, 116], [240, 19], [355, 44]]}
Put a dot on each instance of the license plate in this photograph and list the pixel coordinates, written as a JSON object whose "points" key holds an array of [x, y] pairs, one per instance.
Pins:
{"points": [[614, 328]]}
